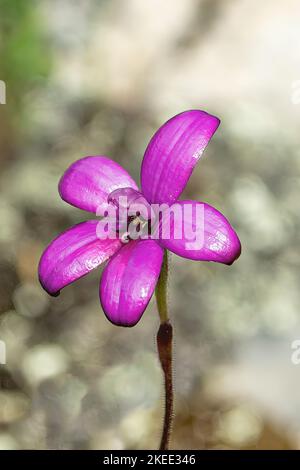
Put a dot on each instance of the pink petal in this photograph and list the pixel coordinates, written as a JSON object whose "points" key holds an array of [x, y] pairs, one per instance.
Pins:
{"points": [[172, 154], [88, 182], [202, 234], [73, 254], [128, 281]]}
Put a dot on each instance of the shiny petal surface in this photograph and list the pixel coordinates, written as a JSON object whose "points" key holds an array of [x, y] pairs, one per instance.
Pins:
{"points": [[128, 281], [199, 232], [73, 254], [88, 182], [172, 154]]}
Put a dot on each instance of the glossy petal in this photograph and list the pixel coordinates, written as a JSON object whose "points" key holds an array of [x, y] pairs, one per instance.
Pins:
{"points": [[128, 281], [202, 233], [73, 254], [88, 182], [172, 154]]}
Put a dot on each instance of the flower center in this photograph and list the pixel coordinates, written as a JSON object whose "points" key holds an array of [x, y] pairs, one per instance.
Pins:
{"points": [[133, 213]]}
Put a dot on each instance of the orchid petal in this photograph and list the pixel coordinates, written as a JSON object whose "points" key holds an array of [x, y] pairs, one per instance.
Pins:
{"points": [[73, 254], [199, 232], [88, 182], [128, 281], [172, 154]]}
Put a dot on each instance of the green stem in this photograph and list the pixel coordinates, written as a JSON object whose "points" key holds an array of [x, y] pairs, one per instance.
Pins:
{"points": [[161, 290], [164, 346]]}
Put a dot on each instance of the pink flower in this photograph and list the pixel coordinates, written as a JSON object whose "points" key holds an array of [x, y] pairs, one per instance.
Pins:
{"points": [[131, 273]]}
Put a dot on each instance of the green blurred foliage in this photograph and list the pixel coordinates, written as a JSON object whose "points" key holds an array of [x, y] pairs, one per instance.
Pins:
{"points": [[25, 63], [24, 52]]}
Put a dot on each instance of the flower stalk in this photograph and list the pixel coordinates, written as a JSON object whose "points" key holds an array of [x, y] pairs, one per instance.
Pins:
{"points": [[164, 345]]}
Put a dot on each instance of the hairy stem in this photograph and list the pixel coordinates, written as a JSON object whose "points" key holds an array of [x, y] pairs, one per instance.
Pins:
{"points": [[164, 346]]}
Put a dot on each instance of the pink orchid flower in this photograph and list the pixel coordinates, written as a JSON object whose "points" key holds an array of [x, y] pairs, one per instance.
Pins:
{"points": [[132, 271]]}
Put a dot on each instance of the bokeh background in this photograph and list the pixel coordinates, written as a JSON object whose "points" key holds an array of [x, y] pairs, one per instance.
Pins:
{"points": [[95, 77]]}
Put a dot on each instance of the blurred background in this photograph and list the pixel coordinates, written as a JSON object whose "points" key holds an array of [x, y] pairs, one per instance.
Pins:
{"points": [[95, 77]]}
